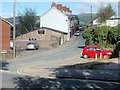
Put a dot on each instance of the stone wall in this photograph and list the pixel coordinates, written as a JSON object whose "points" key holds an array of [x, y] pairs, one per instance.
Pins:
{"points": [[49, 39]]}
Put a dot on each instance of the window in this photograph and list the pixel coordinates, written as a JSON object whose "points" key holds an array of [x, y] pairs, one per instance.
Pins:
{"points": [[41, 32], [90, 49]]}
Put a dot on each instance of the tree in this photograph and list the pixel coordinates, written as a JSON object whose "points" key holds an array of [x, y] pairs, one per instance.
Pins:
{"points": [[105, 13], [27, 21]]}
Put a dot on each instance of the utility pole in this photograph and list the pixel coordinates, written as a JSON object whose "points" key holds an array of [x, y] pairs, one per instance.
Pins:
{"points": [[91, 16], [14, 29]]}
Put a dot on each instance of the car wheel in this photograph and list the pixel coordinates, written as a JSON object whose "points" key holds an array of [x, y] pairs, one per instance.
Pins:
{"points": [[85, 56], [105, 56]]}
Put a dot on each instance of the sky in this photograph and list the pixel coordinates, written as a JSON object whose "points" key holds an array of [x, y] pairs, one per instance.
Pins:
{"points": [[41, 6]]}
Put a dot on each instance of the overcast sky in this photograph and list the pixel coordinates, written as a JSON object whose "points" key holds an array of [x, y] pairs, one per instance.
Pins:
{"points": [[41, 6]]}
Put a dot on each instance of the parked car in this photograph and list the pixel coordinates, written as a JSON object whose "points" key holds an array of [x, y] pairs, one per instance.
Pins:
{"points": [[77, 33], [81, 28], [32, 46], [91, 51], [11, 44]]}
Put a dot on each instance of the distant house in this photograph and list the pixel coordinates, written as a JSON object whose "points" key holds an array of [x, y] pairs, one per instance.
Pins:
{"points": [[114, 21], [59, 18], [5, 28], [96, 22]]}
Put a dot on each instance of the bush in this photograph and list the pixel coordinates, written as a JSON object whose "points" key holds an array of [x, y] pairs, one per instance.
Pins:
{"points": [[104, 36], [116, 50]]}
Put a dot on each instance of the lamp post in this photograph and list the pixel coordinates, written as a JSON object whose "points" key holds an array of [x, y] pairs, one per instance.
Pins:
{"points": [[14, 29]]}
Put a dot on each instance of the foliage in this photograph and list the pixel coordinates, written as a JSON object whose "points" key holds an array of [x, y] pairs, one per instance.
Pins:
{"points": [[114, 35], [104, 36], [116, 50], [27, 21], [104, 13]]}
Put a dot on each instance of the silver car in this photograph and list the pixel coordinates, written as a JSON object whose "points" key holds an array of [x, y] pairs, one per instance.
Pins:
{"points": [[77, 33], [32, 46]]}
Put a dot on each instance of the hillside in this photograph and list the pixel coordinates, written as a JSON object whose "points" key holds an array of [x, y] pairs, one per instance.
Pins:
{"points": [[86, 18], [17, 19]]}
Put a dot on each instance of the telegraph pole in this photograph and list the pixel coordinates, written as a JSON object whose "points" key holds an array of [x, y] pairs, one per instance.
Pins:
{"points": [[91, 16], [14, 29]]}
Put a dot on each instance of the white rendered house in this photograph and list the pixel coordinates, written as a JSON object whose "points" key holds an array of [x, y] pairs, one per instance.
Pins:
{"points": [[57, 18]]}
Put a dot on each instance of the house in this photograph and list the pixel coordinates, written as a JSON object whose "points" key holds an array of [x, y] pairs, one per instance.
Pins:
{"points": [[96, 22], [114, 21], [45, 37], [59, 18], [5, 28]]}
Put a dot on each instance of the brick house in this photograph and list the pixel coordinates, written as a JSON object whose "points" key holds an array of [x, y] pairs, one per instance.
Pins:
{"points": [[5, 28]]}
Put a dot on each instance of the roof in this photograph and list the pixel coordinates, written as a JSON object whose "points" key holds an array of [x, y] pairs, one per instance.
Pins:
{"points": [[115, 17], [53, 30], [6, 21], [61, 8], [56, 10]]}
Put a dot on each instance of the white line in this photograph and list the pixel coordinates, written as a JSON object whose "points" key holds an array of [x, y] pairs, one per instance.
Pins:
{"points": [[4, 71]]}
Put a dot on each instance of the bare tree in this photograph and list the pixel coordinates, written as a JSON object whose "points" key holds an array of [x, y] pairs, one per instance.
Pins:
{"points": [[105, 13], [27, 21]]}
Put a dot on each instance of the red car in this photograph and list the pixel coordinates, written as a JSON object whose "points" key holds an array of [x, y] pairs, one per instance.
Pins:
{"points": [[92, 51]]}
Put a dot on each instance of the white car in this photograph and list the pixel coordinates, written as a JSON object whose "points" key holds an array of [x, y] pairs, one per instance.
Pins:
{"points": [[77, 33], [11, 44], [32, 46]]}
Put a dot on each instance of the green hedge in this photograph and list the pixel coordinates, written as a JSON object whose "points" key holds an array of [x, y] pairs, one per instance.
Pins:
{"points": [[116, 50]]}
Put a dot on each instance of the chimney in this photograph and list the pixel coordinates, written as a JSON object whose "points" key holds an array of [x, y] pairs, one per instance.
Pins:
{"points": [[59, 7], [53, 4], [64, 8], [68, 9]]}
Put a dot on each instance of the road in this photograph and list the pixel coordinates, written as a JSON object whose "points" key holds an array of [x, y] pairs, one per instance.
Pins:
{"points": [[70, 49], [53, 58]]}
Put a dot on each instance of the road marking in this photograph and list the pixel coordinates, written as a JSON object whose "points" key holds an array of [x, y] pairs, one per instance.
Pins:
{"points": [[22, 70], [2, 71]]}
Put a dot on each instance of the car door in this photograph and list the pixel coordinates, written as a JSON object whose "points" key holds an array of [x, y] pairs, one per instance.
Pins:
{"points": [[90, 52], [97, 51]]}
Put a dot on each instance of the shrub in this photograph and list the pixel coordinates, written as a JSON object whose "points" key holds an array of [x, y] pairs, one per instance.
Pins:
{"points": [[116, 50], [104, 36]]}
